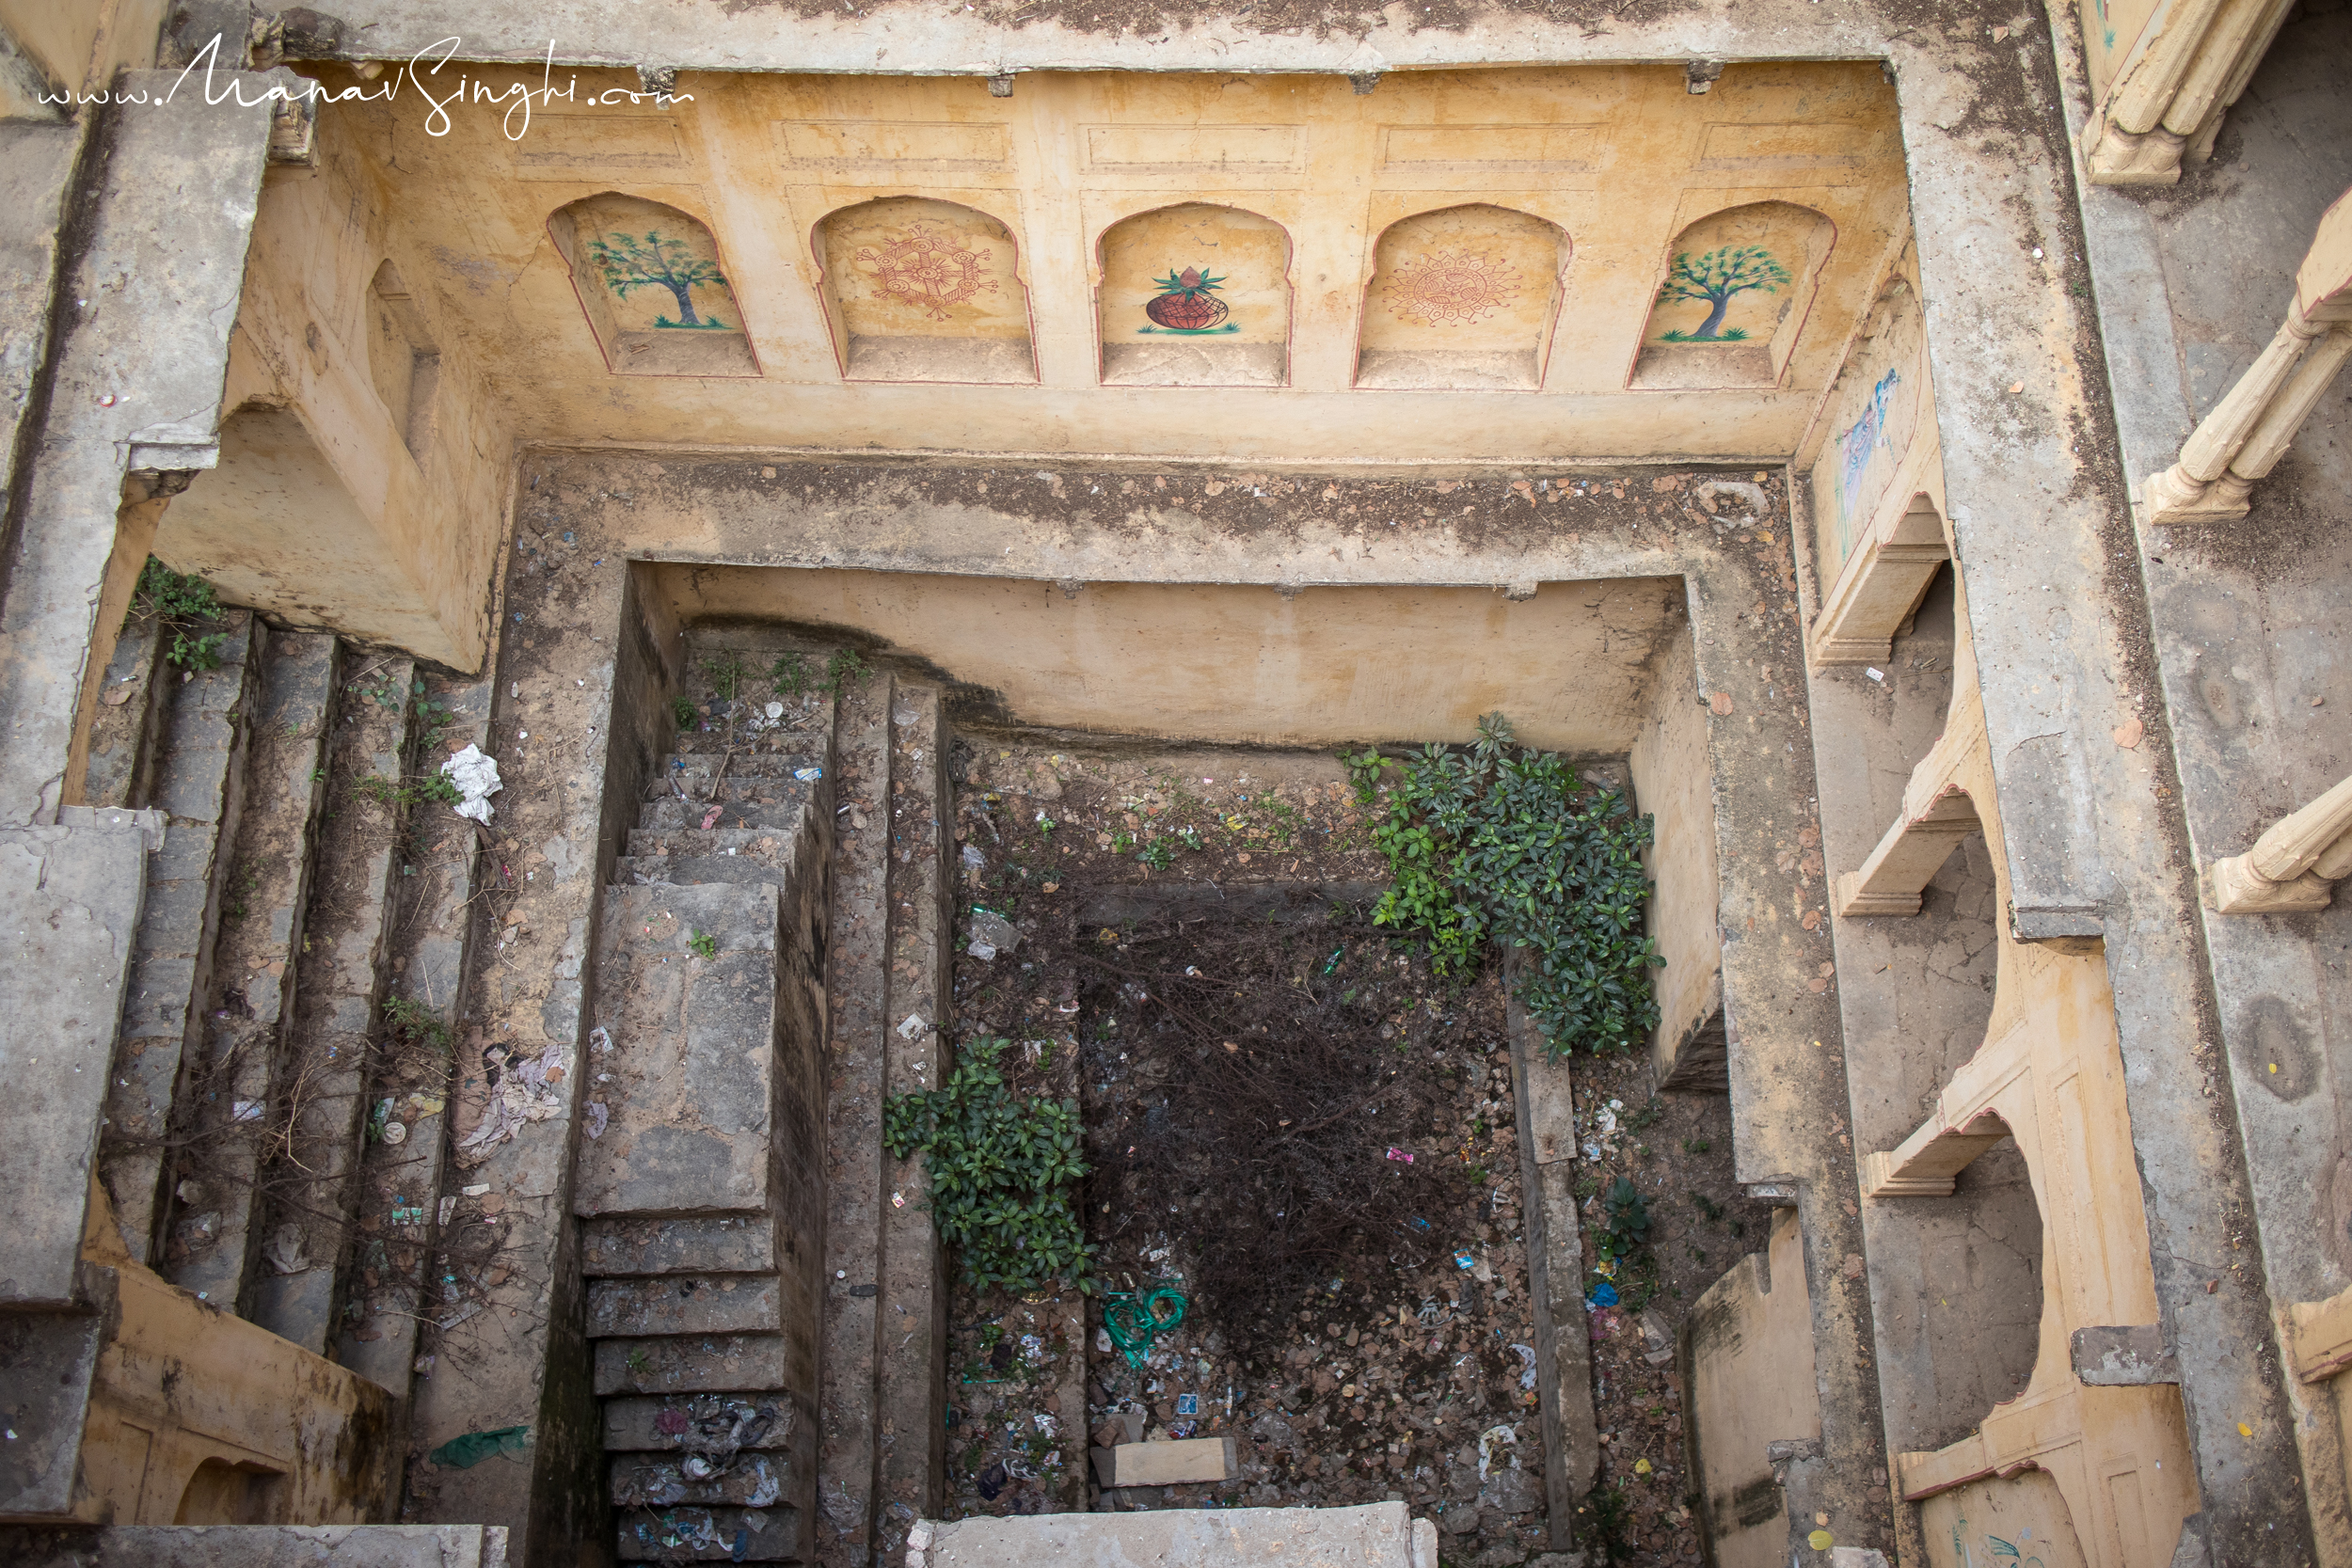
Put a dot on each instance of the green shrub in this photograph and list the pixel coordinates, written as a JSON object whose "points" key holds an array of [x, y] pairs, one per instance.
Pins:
{"points": [[1629, 1220], [1487, 845], [1003, 1171], [182, 605]]}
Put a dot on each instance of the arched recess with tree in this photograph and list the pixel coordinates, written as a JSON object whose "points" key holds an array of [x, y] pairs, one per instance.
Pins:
{"points": [[1462, 297], [1733, 292], [919, 289], [653, 288], [1195, 296]]}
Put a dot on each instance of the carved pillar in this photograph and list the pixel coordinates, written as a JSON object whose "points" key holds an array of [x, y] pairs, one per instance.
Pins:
{"points": [[2249, 429], [2170, 98], [2291, 868]]}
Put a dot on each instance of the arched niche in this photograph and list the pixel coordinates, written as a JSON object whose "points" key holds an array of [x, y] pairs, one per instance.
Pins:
{"points": [[1462, 297], [404, 361], [1732, 294], [918, 289], [1195, 296], [650, 281]]}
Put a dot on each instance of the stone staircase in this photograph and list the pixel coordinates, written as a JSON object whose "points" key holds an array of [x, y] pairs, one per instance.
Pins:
{"points": [[303, 882], [697, 1177]]}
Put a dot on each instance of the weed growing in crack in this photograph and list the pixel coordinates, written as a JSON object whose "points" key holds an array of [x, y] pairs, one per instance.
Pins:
{"points": [[727, 673], [395, 794], [788, 675], [702, 944], [845, 665], [683, 710]]}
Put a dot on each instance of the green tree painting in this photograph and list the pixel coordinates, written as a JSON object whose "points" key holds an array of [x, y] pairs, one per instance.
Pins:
{"points": [[1716, 277], [653, 263]]}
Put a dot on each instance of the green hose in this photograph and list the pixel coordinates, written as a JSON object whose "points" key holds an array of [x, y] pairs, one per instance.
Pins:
{"points": [[1133, 1321]]}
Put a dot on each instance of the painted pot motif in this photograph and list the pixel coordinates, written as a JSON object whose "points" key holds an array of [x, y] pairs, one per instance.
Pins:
{"points": [[1187, 303]]}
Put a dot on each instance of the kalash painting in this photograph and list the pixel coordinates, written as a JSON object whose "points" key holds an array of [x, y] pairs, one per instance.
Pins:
{"points": [[1196, 296]]}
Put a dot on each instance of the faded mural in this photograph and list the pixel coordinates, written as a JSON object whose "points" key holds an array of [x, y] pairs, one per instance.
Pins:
{"points": [[920, 289], [1874, 413], [2021, 1522], [1463, 297], [1196, 295], [1736, 290], [650, 282]]}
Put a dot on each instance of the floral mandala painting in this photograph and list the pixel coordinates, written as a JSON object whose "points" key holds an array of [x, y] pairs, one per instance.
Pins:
{"points": [[925, 267], [1446, 287]]}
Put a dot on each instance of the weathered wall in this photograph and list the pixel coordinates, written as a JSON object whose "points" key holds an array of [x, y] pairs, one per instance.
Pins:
{"points": [[330, 507], [1876, 431], [1747, 1352], [1209, 661], [1672, 780], [1619, 159]]}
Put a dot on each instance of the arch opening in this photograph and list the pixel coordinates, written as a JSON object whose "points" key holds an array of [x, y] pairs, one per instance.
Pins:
{"points": [[1464, 297], [1195, 296], [921, 290], [651, 284], [1736, 290]]}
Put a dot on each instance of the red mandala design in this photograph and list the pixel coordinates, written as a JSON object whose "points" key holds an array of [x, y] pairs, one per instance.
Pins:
{"points": [[1446, 287], [925, 267]]}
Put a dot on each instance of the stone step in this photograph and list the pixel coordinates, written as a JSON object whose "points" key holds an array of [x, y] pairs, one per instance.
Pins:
{"points": [[616, 1248], [735, 790], [126, 731], [1368, 1535], [256, 957], [343, 965], [686, 1056], [700, 1364], [709, 1535], [914, 1302], [441, 873], [684, 1305], [198, 786], [694, 771], [764, 1420], [858, 994], [751, 1480], [787, 813]]}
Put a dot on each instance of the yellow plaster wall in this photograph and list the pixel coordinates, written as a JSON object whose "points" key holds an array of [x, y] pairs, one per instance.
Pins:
{"points": [[1243, 261], [320, 512], [1219, 663], [1619, 158], [1672, 779], [1748, 1344]]}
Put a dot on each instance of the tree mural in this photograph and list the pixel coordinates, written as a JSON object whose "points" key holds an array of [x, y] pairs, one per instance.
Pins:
{"points": [[1716, 277], [653, 263]]}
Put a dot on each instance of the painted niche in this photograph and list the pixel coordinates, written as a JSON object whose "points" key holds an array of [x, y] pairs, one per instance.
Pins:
{"points": [[1195, 296], [1737, 287], [655, 294], [402, 359], [918, 289], [1465, 297], [1878, 406]]}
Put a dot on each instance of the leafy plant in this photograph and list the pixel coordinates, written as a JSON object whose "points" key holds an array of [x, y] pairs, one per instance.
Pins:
{"points": [[1003, 1171], [410, 1023], [683, 710], [1487, 845], [788, 674], [845, 665], [397, 794], [1157, 855], [1627, 1213], [726, 675], [1605, 1510], [1364, 772], [702, 944], [183, 603]]}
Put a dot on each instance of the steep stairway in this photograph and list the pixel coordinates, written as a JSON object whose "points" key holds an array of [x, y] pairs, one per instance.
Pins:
{"points": [[697, 1181], [307, 877]]}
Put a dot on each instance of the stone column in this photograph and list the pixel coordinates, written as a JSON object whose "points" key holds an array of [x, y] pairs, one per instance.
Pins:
{"points": [[2291, 868]]}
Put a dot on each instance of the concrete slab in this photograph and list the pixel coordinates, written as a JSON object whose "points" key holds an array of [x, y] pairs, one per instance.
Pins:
{"points": [[288, 1546], [1376, 1535], [704, 1363], [75, 893], [1169, 1463], [692, 1053], [733, 1244], [683, 1423]]}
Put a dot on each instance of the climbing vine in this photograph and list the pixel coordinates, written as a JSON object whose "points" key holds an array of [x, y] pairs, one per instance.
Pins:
{"points": [[1497, 844], [1003, 1169]]}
